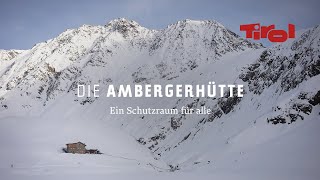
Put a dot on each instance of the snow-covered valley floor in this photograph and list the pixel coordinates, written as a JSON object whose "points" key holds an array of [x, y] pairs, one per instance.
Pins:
{"points": [[31, 149]]}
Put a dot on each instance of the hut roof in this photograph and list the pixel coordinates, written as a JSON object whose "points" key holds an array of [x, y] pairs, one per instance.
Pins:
{"points": [[77, 143]]}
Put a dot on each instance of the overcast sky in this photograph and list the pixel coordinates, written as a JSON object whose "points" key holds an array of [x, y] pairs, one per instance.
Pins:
{"points": [[25, 23]]}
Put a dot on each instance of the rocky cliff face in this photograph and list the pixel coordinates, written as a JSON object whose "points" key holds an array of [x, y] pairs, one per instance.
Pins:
{"points": [[286, 67]]}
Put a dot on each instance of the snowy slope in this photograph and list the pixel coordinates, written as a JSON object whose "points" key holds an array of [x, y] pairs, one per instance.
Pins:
{"points": [[266, 131], [6, 56]]}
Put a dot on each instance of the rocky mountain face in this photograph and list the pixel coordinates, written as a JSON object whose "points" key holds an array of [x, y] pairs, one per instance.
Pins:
{"points": [[281, 83], [286, 67]]}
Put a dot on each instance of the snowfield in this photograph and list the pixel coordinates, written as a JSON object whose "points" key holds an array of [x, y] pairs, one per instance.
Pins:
{"points": [[270, 133]]}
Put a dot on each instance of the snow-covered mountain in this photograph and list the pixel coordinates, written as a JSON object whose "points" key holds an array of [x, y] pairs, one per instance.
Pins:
{"points": [[6, 55], [267, 130], [9, 54]]}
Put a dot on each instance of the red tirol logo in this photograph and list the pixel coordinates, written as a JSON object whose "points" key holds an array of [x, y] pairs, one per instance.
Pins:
{"points": [[257, 32]]}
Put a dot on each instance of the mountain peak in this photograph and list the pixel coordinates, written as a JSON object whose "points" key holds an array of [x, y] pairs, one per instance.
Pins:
{"points": [[124, 26], [121, 23], [9, 54], [193, 22]]}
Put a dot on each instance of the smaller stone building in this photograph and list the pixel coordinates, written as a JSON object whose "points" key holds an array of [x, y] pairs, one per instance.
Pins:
{"points": [[93, 151]]}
